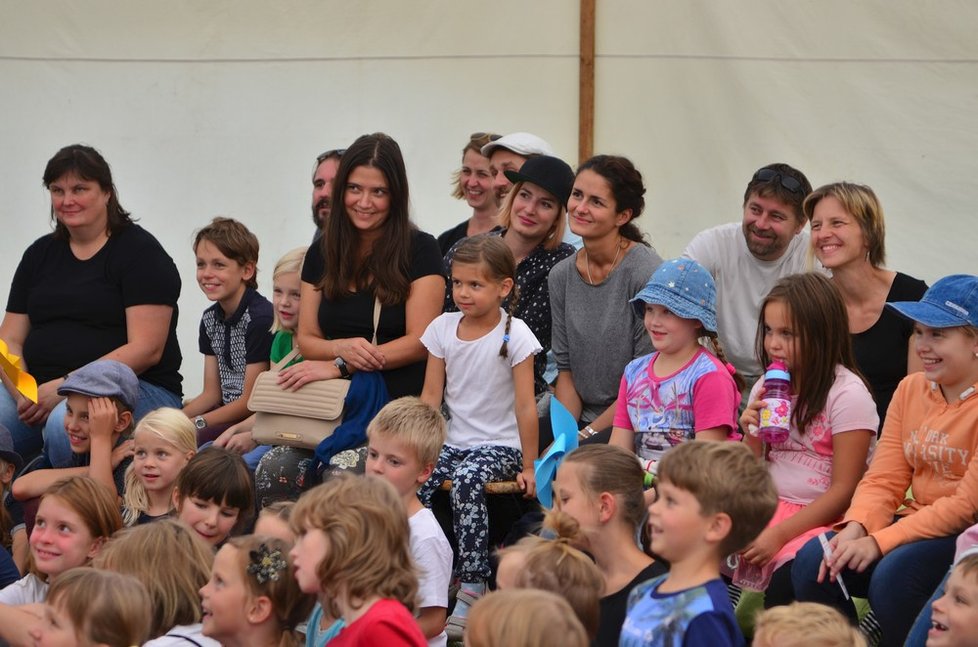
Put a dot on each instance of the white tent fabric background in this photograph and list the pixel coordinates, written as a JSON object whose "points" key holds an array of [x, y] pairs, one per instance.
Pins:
{"points": [[219, 107]]}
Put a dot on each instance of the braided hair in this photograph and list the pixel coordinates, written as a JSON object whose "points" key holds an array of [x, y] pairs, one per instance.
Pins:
{"points": [[498, 263]]}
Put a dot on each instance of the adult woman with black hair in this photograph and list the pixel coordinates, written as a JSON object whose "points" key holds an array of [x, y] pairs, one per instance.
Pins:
{"points": [[369, 250], [595, 330], [98, 287]]}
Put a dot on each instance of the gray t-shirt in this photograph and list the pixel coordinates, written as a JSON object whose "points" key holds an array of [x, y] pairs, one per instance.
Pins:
{"points": [[595, 330]]}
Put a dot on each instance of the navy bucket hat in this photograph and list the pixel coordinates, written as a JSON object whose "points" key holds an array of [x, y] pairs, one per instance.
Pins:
{"points": [[684, 287]]}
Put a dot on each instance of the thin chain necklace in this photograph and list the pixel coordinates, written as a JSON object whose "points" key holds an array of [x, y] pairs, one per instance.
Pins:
{"points": [[587, 263]]}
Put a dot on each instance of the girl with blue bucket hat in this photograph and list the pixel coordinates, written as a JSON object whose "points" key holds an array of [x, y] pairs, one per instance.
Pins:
{"points": [[897, 539], [681, 391]]}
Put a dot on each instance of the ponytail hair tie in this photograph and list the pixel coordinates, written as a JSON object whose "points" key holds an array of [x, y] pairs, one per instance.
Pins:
{"points": [[548, 534], [506, 337]]}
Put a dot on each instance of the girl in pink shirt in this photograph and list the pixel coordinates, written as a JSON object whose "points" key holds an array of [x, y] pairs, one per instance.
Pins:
{"points": [[896, 540], [803, 323]]}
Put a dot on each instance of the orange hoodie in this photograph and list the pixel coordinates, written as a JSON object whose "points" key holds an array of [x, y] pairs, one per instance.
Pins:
{"points": [[927, 445]]}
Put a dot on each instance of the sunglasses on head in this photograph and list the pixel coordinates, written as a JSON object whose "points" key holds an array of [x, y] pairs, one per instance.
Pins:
{"points": [[488, 137], [333, 152], [788, 182]]}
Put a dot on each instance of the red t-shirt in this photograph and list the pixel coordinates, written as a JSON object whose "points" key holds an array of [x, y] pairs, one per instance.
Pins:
{"points": [[387, 623]]}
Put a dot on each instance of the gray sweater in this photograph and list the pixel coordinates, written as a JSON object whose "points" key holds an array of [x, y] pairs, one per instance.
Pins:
{"points": [[595, 329]]}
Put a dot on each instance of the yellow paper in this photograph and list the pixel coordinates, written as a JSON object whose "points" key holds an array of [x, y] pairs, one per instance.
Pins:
{"points": [[23, 381]]}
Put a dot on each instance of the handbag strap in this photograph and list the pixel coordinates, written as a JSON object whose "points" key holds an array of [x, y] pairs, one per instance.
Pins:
{"points": [[292, 354], [376, 319]]}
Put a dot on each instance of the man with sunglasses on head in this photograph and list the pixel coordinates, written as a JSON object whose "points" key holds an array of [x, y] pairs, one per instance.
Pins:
{"points": [[322, 185], [746, 259]]}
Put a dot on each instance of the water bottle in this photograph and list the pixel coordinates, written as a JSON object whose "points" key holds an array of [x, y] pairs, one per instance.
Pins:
{"points": [[776, 413]]}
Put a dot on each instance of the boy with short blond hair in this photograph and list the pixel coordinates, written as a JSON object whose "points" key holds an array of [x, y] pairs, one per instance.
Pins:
{"points": [[403, 443], [712, 500]]}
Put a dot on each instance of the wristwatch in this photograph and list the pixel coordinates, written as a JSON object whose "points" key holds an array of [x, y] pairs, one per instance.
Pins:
{"points": [[199, 422], [341, 364]]}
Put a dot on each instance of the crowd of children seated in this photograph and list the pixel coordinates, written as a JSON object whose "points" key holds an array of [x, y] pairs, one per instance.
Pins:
{"points": [[153, 533]]}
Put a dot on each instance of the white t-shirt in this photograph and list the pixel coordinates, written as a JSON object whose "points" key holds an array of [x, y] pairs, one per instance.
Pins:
{"points": [[801, 466], [183, 636], [27, 590], [433, 555], [742, 283], [479, 389]]}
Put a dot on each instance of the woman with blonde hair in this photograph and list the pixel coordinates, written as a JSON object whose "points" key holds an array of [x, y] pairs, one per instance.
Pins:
{"points": [[532, 221], [473, 183], [172, 563], [848, 234], [524, 617]]}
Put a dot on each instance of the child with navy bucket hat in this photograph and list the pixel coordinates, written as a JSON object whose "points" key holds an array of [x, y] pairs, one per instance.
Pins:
{"points": [[681, 391], [890, 546]]}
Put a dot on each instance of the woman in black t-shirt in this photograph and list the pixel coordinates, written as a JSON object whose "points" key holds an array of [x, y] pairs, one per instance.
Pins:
{"points": [[369, 249], [847, 238], [99, 286]]}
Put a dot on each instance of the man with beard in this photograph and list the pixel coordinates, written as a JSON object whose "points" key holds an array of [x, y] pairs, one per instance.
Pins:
{"points": [[746, 259], [322, 185]]}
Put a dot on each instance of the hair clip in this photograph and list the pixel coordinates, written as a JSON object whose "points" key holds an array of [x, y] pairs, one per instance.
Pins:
{"points": [[266, 563]]}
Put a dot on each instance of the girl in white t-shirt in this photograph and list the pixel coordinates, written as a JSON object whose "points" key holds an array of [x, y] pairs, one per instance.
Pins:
{"points": [[480, 360], [803, 323], [75, 517]]}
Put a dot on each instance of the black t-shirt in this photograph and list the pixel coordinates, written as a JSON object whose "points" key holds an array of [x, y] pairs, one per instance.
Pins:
{"points": [[352, 316], [881, 350], [77, 309], [615, 606], [448, 238]]}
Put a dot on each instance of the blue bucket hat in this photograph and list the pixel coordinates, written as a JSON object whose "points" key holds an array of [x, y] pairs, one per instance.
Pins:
{"points": [[104, 378], [951, 302], [684, 287]]}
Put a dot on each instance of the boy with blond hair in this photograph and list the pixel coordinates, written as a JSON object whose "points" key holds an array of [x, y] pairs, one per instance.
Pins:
{"points": [[805, 624], [403, 443], [712, 500]]}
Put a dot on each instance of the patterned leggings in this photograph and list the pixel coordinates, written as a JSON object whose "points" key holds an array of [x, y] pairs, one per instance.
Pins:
{"points": [[469, 471]]}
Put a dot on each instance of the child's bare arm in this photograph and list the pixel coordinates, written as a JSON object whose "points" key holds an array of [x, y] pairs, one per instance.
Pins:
{"points": [[105, 423], [432, 620], [434, 382], [16, 622], [624, 438], [527, 422], [210, 397], [238, 410], [34, 484]]}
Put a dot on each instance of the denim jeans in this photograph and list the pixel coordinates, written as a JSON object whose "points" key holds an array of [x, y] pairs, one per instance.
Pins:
{"points": [[918, 634], [57, 449], [898, 585]]}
